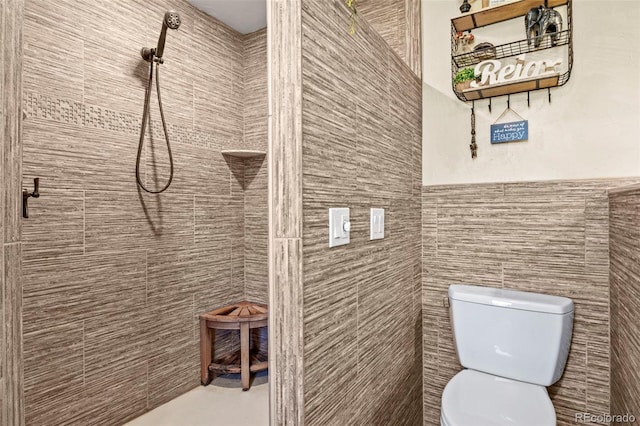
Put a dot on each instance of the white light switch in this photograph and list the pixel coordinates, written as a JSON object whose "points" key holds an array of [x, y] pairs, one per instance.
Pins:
{"points": [[377, 224], [339, 227]]}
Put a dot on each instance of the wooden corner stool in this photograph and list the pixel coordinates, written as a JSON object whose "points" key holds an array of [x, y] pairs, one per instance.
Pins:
{"points": [[242, 316]]}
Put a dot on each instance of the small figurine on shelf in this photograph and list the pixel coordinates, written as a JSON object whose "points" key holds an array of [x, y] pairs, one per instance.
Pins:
{"points": [[484, 51], [465, 7], [540, 21], [464, 41]]}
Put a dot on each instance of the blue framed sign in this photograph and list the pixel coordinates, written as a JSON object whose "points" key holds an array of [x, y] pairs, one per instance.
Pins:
{"points": [[510, 132]]}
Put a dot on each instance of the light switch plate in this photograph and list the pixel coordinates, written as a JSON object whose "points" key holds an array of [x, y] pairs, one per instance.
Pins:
{"points": [[377, 224], [339, 227]]}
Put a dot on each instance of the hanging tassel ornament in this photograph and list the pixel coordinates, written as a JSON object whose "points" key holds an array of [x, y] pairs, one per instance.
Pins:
{"points": [[473, 146]]}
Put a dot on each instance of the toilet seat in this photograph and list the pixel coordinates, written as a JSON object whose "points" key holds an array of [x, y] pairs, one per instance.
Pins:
{"points": [[472, 398]]}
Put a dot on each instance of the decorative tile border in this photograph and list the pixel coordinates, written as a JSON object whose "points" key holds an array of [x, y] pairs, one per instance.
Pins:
{"points": [[80, 114]]}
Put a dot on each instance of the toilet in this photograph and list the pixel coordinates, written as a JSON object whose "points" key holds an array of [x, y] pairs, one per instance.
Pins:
{"points": [[512, 345]]}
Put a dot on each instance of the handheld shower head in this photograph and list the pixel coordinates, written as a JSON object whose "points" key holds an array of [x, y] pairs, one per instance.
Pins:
{"points": [[171, 20]]}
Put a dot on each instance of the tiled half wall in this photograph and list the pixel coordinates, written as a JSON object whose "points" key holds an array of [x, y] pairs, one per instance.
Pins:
{"points": [[547, 237], [361, 148], [114, 278], [624, 225]]}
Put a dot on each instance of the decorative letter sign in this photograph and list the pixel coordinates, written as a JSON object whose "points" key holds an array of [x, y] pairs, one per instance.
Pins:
{"points": [[510, 132], [492, 72]]}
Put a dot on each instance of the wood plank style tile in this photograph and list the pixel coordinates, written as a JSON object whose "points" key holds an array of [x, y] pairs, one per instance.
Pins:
{"points": [[128, 220], [256, 109], [76, 288], [624, 237], [61, 213], [218, 78], [546, 237], [197, 170], [13, 362], [54, 375], [256, 225], [285, 109], [361, 301], [286, 381], [256, 219], [12, 54], [54, 45], [65, 156], [286, 363], [398, 22], [11, 342], [119, 82]]}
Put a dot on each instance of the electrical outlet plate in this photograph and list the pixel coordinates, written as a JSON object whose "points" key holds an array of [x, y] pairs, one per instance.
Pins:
{"points": [[377, 224], [339, 227]]}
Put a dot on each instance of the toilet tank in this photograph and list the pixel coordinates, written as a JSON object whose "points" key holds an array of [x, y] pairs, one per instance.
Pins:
{"points": [[513, 334]]}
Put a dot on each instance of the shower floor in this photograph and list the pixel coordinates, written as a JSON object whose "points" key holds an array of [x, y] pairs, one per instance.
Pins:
{"points": [[221, 403]]}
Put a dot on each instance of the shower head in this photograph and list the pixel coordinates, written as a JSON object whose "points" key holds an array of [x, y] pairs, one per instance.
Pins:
{"points": [[171, 20]]}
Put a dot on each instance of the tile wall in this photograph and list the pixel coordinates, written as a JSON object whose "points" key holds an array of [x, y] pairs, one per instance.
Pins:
{"points": [[11, 367], [624, 234], [547, 237], [255, 174], [398, 22], [286, 351], [361, 148], [114, 278]]}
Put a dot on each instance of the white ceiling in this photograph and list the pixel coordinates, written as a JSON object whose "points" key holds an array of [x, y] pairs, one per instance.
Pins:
{"points": [[244, 16]]}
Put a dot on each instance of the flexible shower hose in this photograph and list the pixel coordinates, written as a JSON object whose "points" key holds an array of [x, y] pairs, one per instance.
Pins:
{"points": [[145, 117]]}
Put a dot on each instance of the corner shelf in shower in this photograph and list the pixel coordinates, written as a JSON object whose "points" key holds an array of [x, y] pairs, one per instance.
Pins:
{"points": [[244, 153]]}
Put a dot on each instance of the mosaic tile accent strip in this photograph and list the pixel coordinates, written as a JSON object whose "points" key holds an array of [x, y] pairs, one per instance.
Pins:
{"points": [[77, 113], [546, 237], [624, 226]]}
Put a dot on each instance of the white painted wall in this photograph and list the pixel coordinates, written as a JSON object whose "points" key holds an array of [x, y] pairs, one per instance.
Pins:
{"points": [[591, 129]]}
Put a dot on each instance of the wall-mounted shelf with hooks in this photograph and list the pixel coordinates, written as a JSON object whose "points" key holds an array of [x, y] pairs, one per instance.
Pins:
{"points": [[510, 88], [562, 42], [493, 15]]}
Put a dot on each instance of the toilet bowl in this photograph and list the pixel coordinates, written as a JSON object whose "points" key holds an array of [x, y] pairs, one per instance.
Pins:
{"points": [[472, 398], [512, 345]]}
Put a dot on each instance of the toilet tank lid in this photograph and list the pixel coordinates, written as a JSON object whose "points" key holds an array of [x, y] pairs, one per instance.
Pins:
{"points": [[511, 299]]}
